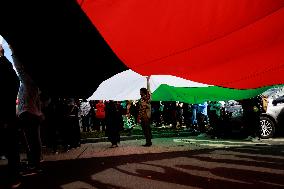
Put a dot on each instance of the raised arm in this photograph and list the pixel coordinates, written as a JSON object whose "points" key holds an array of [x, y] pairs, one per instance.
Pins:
{"points": [[4, 59], [148, 87], [25, 78]]}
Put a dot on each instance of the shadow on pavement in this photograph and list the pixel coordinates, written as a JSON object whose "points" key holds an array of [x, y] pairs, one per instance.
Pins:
{"points": [[241, 167]]}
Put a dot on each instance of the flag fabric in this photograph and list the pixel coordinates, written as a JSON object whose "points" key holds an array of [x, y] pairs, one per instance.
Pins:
{"points": [[60, 48], [70, 47], [196, 95], [126, 85], [235, 44]]}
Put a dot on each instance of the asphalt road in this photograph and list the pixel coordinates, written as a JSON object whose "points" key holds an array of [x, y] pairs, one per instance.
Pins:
{"points": [[170, 163]]}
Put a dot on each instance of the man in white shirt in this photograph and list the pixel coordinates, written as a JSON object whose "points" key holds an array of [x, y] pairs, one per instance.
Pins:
{"points": [[84, 113]]}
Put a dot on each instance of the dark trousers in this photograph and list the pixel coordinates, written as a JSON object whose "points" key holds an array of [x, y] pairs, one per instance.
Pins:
{"points": [[114, 137], [101, 122], [74, 129], [112, 132], [9, 139], [202, 121], [145, 124], [85, 123], [156, 117], [187, 119], [30, 124], [252, 121], [217, 127], [52, 135]]}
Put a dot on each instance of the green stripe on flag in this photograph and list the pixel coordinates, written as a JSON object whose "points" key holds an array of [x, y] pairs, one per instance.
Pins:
{"points": [[195, 95]]}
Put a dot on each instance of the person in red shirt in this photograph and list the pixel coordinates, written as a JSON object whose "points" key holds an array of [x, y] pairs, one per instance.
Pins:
{"points": [[100, 114]]}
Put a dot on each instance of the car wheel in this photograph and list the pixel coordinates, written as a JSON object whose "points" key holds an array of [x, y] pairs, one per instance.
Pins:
{"points": [[267, 127]]}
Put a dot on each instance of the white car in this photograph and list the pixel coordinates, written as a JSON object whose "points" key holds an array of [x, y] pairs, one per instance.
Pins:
{"points": [[273, 119]]}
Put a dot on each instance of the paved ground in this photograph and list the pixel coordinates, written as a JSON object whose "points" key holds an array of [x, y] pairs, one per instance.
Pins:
{"points": [[184, 162]]}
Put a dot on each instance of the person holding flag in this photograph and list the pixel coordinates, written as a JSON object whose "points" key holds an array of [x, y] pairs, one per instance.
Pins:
{"points": [[144, 116]]}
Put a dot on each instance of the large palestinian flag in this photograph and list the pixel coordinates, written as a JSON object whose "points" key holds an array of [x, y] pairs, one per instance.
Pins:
{"points": [[70, 47], [236, 43], [126, 86]]}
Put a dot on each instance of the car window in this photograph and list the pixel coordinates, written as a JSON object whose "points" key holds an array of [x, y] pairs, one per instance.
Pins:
{"points": [[278, 100]]}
